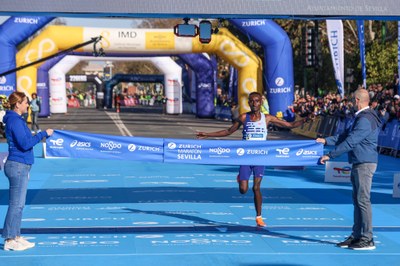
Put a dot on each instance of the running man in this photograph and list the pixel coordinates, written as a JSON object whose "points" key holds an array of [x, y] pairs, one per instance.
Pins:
{"points": [[255, 125]]}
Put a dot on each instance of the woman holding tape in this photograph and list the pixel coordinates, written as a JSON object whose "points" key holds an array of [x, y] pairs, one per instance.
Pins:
{"points": [[19, 162]]}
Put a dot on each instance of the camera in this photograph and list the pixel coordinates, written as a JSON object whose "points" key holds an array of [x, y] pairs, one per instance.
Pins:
{"points": [[186, 30], [204, 30]]}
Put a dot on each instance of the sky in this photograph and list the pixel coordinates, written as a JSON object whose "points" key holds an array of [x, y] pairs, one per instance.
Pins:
{"points": [[93, 22]]}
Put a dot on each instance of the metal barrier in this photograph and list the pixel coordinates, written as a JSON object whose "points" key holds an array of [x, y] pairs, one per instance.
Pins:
{"points": [[324, 126]]}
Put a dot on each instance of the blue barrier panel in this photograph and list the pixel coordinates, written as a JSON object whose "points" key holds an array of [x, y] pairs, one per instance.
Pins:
{"points": [[398, 139], [344, 124], [388, 131], [383, 136], [340, 126], [395, 135]]}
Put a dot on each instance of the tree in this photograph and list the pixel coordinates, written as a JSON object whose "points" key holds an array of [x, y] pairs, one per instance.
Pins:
{"points": [[381, 62]]}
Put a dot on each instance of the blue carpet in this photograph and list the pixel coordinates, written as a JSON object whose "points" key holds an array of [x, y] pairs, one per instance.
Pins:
{"points": [[82, 212]]}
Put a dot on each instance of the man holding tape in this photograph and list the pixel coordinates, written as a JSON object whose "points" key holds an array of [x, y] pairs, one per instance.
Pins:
{"points": [[361, 144]]}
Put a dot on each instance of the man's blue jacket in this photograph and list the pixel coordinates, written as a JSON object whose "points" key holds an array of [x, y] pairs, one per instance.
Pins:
{"points": [[360, 141]]}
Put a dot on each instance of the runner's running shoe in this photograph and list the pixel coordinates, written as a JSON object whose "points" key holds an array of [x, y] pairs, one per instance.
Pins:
{"points": [[260, 222]]}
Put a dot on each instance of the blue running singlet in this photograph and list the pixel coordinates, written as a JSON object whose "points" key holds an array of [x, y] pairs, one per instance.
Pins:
{"points": [[255, 130]]}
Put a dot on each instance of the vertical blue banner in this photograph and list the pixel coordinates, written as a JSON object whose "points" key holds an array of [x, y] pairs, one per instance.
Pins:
{"points": [[361, 41], [398, 56], [336, 46]]}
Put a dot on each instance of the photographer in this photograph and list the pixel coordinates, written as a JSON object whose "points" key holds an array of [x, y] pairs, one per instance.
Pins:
{"points": [[383, 114]]}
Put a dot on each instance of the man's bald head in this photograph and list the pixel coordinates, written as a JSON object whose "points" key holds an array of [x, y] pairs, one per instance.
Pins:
{"points": [[363, 97]]}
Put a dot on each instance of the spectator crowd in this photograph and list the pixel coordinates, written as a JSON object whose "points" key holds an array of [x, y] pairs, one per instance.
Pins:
{"points": [[384, 100]]}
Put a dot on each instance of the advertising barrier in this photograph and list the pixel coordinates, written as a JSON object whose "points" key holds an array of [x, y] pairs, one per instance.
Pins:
{"points": [[337, 172]]}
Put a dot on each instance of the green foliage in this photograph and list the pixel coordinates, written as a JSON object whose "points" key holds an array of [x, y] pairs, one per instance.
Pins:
{"points": [[381, 62]]}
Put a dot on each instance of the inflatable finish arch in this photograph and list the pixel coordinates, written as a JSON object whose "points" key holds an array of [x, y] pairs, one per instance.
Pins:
{"points": [[141, 41], [172, 83], [202, 66]]}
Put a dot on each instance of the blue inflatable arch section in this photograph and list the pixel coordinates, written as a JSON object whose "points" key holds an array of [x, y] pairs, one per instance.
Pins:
{"points": [[204, 71], [278, 62], [13, 32]]}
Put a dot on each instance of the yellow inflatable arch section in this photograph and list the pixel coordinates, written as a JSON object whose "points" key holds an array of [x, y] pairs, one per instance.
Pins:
{"points": [[249, 65], [142, 41]]}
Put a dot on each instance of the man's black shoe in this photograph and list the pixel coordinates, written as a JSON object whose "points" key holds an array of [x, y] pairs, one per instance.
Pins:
{"points": [[363, 244], [346, 243]]}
